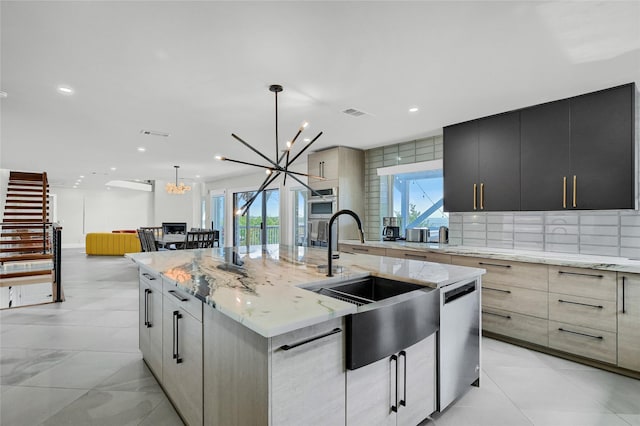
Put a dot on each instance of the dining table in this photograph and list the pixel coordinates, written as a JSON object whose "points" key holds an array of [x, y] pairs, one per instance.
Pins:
{"points": [[171, 239]]}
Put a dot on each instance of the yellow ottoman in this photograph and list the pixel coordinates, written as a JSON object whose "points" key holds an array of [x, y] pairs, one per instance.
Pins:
{"points": [[110, 244]]}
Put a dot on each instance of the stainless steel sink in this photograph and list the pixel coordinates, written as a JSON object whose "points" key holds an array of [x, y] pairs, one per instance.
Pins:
{"points": [[392, 315], [366, 290]]}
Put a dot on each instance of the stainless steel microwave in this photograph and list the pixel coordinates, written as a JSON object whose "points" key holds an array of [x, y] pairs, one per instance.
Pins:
{"points": [[322, 206]]}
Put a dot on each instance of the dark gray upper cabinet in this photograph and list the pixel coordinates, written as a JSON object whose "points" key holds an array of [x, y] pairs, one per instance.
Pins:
{"points": [[482, 164], [461, 167], [575, 153], [499, 162], [602, 149], [545, 142]]}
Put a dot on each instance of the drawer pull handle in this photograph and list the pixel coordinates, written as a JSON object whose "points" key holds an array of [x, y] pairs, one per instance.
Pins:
{"points": [[312, 339], [148, 276], [581, 274], [417, 256], [360, 249], [497, 315], [177, 295], [494, 264], [176, 337], [581, 304], [394, 358], [581, 334], [497, 289], [624, 310]]}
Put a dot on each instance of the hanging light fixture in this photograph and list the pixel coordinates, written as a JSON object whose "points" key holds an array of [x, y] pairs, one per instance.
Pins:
{"points": [[174, 188], [276, 167]]}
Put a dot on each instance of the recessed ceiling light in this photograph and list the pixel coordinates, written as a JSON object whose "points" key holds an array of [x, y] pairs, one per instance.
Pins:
{"points": [[113, 169], [141, 149], [413, 109], [307, 139], [3, 95], [65, 90], [197, 176], [81, 176], [75, 187]]}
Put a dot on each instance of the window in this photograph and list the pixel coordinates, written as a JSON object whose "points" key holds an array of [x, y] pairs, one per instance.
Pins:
{"points": [[300, 217], [416, 197]]}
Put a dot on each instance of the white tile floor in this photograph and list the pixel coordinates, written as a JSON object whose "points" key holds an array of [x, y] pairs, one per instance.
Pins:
{"points": [[77, 363]]}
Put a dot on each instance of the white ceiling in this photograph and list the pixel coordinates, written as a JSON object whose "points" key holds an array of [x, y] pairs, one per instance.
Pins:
{"points": [[201, 71]]}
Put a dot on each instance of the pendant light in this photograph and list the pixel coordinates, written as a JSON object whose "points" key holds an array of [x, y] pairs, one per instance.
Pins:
{"points": [[175, 188]]}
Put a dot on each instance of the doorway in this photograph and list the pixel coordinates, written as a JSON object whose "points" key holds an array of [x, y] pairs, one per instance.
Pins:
{"points": [[261, 224]]}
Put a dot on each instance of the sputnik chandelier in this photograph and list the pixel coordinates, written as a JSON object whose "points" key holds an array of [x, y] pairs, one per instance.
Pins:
{"points": [[175, 188], [276, 167]]}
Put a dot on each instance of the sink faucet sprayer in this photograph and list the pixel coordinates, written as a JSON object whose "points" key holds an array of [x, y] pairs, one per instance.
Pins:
{"points": [[330, 243]]}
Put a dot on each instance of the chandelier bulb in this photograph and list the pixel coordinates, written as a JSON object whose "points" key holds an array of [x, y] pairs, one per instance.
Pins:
{"points": [[268, 171], [221, 158]]}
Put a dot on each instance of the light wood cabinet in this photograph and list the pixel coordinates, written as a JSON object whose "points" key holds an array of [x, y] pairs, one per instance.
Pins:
{"points": [[522, 327], [583, 282], [584, 311], [150, 321], [426, 256], [308, 376], [324, 164], [292, 379], [397, 390], [629, 321], [518, 274], [363, 249], [182, 354], [515, 299], [587, 342]]}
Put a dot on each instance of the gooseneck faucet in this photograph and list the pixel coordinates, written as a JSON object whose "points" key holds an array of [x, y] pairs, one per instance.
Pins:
{"points": [[330, 238]]}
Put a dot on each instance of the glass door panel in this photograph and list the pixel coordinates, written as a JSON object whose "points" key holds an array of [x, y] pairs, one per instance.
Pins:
{"points": [[217, 215]]}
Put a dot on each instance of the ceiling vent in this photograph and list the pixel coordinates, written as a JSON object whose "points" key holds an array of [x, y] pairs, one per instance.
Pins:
{"points": [[354, 112], [154, 133]]}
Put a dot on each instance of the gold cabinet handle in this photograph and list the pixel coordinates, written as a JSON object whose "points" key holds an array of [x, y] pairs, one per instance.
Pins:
{"points": [[482, 196], [575, 191], [564, 192], [475, 196]]}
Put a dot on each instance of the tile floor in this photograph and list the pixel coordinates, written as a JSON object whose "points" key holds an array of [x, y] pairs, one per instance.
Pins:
{"points": [[77, 363]]}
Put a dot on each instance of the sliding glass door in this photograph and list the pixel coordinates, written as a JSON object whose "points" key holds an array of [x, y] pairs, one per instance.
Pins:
{"points": [[261, 224], [217, 215]]}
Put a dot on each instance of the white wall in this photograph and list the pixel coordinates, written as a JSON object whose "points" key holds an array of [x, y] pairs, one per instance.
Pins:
{"points": [[4, 180], [83, 211], [176, 207]]}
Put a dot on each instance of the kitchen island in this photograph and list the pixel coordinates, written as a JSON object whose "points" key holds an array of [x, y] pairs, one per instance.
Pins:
{"points": [[234, 339]]}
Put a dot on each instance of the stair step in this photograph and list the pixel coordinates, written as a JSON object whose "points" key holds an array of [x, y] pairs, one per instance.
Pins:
{"points": [[23, 241], [22, 207], [26, 176], [20, 183], [13, 196], [23, 250], [23, 226], [26, 273], [14, 190], [22, 234], [23, 257], [26, 221], [22, 214]]}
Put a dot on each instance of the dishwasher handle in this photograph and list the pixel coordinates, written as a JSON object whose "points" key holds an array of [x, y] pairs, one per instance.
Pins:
{"points": [[457, 293]]}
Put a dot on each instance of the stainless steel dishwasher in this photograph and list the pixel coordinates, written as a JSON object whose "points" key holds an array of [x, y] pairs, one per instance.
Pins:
{"points": [[459, 350]]}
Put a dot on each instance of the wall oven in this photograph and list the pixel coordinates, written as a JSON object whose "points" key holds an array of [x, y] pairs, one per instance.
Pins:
{"points": [[320, 208]]}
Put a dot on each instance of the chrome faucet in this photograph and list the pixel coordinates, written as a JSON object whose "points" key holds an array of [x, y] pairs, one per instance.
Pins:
{"points": [[329, 237]]}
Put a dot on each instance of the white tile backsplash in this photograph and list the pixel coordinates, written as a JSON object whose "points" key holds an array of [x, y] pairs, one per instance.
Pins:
{"points": [[610, 233]]}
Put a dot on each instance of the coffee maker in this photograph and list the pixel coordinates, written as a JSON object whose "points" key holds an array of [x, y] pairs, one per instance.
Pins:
{"points": [[390, 230]]}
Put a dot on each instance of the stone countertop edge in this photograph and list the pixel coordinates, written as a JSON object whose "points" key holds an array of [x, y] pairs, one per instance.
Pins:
{"points": [[603, 263], [272, 310]]}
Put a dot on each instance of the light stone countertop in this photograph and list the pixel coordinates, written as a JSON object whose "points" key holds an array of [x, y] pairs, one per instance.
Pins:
{"points": [[604, 263], [259, 288]]}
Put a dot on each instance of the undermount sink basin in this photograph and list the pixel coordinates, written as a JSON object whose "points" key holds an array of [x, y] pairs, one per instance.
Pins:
{"points": [[392, 315], [366, 290]]}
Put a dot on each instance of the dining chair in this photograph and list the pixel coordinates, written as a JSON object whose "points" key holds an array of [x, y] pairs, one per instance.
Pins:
{"points": [[198, 239]]}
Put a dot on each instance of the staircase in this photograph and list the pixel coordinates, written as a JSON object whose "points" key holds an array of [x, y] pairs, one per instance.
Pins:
{"points": [[27, 262]]}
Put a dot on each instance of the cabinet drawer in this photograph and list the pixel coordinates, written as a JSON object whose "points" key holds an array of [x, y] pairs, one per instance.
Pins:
{"points": [[427, 256], [522, 327], [583, 341], [152, 279], [186, 301], [363, 249], [583, 282], [515, 299], [517, 274], [583, 311]]}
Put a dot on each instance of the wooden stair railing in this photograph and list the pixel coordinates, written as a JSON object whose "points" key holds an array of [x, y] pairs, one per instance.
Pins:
{"points": [[29, 243]]}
